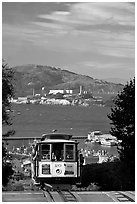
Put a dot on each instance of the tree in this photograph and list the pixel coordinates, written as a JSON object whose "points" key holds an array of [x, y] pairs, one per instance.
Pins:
{"points": [[7, 94], [108, 176], [123, 122]]}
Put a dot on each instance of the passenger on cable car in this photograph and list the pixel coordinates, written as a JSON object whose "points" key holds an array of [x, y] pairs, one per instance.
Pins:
{"points": [[57, 155], [34, 156]]}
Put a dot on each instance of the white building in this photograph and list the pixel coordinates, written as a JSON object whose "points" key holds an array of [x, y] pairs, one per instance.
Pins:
{"points": [[57, 101], [55, 91]]}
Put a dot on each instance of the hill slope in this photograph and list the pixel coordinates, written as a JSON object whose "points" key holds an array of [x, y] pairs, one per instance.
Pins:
{"points": [[38, 76]]}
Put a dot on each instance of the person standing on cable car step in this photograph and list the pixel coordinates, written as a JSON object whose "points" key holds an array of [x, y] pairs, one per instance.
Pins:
{"points": [[34, 157]]}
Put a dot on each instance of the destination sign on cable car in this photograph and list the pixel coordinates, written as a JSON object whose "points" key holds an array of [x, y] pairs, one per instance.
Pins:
{"points": [[45, 169]]}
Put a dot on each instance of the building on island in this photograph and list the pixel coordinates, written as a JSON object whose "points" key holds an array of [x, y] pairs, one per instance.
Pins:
{"points": [[62, 91]]}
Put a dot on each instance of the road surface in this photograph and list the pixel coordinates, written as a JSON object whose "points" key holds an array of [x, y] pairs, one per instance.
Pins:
{"points": [[82, 196]]}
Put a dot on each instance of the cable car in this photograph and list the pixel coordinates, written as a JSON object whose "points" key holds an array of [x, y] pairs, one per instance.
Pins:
{"points": [[56, 160]]}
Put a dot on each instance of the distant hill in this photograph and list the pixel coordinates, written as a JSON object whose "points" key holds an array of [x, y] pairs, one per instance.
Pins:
{"points": [[116, 80], [38, 76]]}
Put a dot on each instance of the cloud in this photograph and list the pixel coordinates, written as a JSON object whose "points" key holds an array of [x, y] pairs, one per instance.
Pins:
{"points": [[52, 28], [80, 19], [102, 69], [95, 14], [100, 25], [83, 35], [53, 37], [27, 33], [95, 64], [106, 13]]}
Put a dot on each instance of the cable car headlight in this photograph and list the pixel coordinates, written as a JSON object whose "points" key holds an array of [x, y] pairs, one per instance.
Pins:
{"points": [[58, 171]]}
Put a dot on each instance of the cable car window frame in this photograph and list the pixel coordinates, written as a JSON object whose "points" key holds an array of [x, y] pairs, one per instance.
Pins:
{"points": [[74, 150], [47, 150]]}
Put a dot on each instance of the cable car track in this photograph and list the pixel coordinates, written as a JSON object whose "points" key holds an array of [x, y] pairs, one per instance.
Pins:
{"points": [[67, 196], [48, 195], [123, 197]]}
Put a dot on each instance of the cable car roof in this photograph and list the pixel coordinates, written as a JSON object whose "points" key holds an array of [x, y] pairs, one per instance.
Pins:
{"points": [[57, 136], [50, 141]]}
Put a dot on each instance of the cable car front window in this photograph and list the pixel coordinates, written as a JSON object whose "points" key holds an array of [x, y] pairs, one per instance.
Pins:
{"points": [[57, 152], [45, 151], [69, 152]]}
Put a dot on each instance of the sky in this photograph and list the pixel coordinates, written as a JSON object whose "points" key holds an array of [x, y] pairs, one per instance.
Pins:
{"points": [[91, 38]]}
